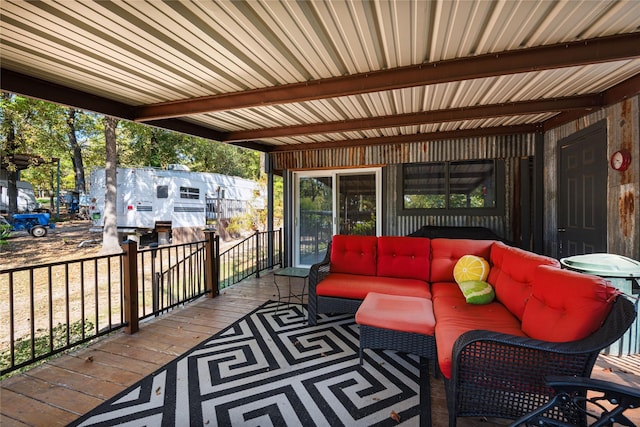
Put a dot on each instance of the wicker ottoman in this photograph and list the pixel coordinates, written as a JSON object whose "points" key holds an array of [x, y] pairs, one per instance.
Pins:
{"points": [[396, 322], [401, 323]]}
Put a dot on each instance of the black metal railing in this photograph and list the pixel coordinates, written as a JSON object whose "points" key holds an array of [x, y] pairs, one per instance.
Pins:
{"points": [[258, 252], [49, 308], [170, 276], [54, 307]]}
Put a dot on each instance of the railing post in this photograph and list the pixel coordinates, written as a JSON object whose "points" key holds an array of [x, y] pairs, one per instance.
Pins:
{"points": [[281, 247], [257, 254], [211, 278], [155, 282], [130, 266], [271, 234]]}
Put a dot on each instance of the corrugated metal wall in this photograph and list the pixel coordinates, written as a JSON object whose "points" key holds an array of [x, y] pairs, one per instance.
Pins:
{"points": [[509, 148], [502, 147], [623, 194]]}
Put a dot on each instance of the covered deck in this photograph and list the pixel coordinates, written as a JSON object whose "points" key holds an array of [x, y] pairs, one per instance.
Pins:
{"points": [[63, 389]]}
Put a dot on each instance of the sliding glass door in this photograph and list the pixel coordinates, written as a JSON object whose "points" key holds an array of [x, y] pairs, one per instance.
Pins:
{"points": [[334, 202]]}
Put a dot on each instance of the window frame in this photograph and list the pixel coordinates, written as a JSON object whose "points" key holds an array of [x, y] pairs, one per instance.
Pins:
{"points": [[162, 191], [499, 209], [189, 193]]}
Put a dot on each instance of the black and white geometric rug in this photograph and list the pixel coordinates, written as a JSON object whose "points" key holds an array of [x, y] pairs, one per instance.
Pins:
{"points": [[271, 369]]}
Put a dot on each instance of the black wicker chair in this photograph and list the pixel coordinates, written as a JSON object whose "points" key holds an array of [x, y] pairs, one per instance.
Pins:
{"points": [[322, 304], [503, 376], [604, 405]]}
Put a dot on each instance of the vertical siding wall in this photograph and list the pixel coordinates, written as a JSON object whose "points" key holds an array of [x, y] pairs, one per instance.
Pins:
{"points": [[510, 148], [623, 189]]}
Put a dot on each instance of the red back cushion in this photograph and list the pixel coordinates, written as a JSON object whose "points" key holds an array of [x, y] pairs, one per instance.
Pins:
{"points": [[566, 305], [354, 254], [404, 257], [512, 275], [445, 253]]}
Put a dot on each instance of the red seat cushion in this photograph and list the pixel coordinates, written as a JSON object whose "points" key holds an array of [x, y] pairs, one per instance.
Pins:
{"points": [[455, 317], [445, 289], [397, 312], [355, 286], [566, 305], [405, 257], [354, 254], [512, 275]]}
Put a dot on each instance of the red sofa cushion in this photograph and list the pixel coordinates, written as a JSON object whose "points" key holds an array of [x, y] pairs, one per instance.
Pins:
{"points": [[566, 305], [341, 285], [455, 317], [354, 254], [397, 312], [445, 253], [404, 257], [512, 275]]}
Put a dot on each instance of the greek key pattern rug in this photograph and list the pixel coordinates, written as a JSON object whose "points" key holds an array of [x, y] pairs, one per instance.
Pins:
{"points": [[271, 369]]}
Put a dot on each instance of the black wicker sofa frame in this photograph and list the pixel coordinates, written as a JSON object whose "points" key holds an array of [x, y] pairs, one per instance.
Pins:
{"points": [[504, 376], [495, 374]]}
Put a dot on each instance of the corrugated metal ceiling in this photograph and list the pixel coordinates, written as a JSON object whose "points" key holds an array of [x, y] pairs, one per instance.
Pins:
{"points": [[147, 52]]}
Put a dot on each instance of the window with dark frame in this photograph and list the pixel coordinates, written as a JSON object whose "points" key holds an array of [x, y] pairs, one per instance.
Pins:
{"points": [[189, 193], [452, 187], [162, 191]]}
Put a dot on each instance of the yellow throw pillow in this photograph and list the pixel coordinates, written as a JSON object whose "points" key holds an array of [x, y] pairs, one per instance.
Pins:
{"points": [[470, 267]]}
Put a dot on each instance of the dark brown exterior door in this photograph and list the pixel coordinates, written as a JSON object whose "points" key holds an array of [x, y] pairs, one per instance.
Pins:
{"points": [[582, 192]]}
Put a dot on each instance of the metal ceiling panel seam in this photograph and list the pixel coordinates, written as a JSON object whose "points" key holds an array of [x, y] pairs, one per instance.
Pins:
{"points": [[294, 22]]}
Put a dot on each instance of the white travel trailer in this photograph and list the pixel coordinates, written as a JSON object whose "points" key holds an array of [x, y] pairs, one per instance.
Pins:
{"points": [[173, 199], [26, 197]]}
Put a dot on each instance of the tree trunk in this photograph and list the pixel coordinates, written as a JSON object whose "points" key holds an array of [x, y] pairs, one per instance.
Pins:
{"points": [[78, 165], [12, 174], [110, 241], [12, 193]]}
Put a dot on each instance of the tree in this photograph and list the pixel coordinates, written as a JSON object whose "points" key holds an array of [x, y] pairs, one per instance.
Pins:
{"points": [[144, 145], [76, 151], [47, 131], [209, 156], [110, 242], [9, 147]]}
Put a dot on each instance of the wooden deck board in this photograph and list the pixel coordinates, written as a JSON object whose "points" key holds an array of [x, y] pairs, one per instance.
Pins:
{"points": [[64, 388]]}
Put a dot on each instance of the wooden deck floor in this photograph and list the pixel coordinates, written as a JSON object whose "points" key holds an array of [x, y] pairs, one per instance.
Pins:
{"points": [[63, 389]]}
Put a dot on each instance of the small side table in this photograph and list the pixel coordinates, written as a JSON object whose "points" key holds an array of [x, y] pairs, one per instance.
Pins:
{"points": [[289, 273]]}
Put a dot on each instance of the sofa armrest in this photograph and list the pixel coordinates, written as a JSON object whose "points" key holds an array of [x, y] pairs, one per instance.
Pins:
{"points": [[317, 273], [501, 375]]}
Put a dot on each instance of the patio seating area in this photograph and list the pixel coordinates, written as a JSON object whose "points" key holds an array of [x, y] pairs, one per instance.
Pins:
{"points": [[66, 387]]}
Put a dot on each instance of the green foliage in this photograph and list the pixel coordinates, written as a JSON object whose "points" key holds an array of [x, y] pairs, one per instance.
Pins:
{"points": [[315, 194], [240, 224], [207, 156], [425, 201], [5, 231], [41, 342], [364, 228]]}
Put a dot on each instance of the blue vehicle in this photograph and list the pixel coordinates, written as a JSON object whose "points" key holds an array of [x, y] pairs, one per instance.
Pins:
{"points": [[35, 223]]}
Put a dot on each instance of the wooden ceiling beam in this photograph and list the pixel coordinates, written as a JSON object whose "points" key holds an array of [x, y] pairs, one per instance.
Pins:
{"points": [[561, 55], [581, 103]]}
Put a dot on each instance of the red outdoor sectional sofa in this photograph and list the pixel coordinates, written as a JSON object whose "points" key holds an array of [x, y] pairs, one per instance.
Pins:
{"points": [[494, 357]]}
